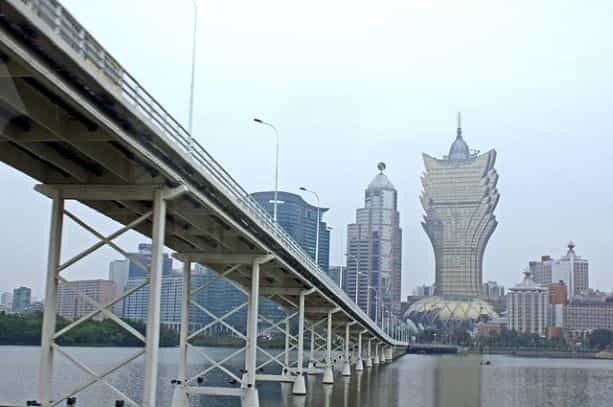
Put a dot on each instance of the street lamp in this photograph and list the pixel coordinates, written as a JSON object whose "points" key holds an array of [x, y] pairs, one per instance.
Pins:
{"points": [[274, 210], [193, 81], [374, 290], [357, 274], [317, 230]]}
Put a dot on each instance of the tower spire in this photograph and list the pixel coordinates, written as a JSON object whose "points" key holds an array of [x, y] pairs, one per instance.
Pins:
{"points": [[459, 124]]}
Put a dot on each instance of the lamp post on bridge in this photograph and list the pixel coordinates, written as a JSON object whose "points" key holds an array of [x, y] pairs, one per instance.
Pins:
{"points": [[193, 80], [317, 222], [274, 206]]}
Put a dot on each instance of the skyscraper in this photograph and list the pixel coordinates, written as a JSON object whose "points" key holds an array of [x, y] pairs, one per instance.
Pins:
{"points": [[459, 197], [573, 270], [22, 298], [299, 219], [541, 270], [136, 271], [374, 250]]}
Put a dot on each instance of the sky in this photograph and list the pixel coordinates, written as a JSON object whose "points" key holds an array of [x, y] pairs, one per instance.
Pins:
{"points": [[352, 83]]}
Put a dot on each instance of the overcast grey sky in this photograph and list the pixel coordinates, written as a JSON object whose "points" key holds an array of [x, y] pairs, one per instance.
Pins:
{"points": [[352, 83]]}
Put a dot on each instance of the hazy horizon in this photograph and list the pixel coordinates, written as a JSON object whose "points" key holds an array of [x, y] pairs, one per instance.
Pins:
{"points": [[348, 85]]}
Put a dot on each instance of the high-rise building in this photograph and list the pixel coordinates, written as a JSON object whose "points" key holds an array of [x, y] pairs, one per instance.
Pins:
{"points": [[541, 270], [22, 297], [573, 270], [6, 299], [528, 307], [374, 250], [119, 271], [299, 219], [143, 258], [423, 291], [72, 306], [492, 289], [338, 274], [459, 197], [558, 298]]}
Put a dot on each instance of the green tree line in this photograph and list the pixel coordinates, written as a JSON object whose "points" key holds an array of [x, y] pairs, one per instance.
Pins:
{"points": [[25, 329]]}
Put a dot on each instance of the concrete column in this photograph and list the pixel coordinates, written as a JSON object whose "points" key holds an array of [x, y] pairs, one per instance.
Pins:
{"points": [[250, 393], [311, 363], [155, 292], [359, 365], [286, 355], [329, 372], [347, 365], [299, 384], [180, 395], [376, 359], [49, 315], [369, 355]]}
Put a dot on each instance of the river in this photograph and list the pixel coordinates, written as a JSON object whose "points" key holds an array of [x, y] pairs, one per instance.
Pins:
{"points": [[412, 380]]}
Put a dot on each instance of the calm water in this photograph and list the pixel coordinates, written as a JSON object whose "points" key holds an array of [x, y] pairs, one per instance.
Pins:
{"points": [[413, 380]]}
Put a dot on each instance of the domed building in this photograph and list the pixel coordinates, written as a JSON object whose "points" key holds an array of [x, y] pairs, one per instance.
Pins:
{"points": [[440, 312]]}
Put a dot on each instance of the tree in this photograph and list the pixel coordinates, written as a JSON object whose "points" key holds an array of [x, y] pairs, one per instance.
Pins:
{"points": [[601, 338]]}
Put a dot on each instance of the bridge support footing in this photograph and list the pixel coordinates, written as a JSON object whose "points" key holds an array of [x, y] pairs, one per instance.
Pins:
{"points": [[250, 398]]}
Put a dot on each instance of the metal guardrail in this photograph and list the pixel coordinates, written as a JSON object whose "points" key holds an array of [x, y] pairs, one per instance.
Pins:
{"points": [[66, 27]]}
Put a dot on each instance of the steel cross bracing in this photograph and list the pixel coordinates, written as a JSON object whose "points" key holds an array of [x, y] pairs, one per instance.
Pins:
{"points": [[55, 267]]}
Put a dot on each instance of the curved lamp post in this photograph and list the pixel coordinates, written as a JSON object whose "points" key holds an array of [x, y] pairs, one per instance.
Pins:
{"points": [[274, 206]]}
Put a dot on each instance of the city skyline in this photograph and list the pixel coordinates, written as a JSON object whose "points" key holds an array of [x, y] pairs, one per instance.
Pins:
{"points": [[534, 124]]}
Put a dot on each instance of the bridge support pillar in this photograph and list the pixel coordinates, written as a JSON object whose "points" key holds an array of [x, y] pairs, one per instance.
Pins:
{"points": [[369, 355], [311, 363], [376, 359], [388, 353], [347, 360], [49, 316], [299, 387], [155, 294], [249, 396], [329, 372], [180, 398], [359, 364]]}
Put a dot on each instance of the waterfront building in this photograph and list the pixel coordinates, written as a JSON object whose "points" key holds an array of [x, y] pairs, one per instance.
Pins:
{"points": [[337, 274], [459, 197], [541, 270], [527, 307], [119, 272], [72, 306], [22, 298], [299, 219], [6, 299], [492, 289], [573, 270], [219, 297], [374, 250], [558, 298], [423, 291], [583, 315]]}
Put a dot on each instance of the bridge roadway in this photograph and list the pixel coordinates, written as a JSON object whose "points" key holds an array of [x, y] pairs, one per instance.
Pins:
{"points": [[74, 120]]}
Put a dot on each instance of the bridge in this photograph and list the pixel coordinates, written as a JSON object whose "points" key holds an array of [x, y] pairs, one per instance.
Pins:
{"points": [[74, 120]]}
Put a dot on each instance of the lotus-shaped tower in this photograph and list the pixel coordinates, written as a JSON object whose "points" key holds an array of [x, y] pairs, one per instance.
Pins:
{"points": [[459, 197]]}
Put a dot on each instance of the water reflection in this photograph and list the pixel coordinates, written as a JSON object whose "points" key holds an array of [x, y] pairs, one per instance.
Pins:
{"points": [[411, 381], [457, 383]]}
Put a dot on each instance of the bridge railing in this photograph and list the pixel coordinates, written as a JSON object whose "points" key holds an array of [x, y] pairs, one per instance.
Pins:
{"points": [[79, 40]]}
